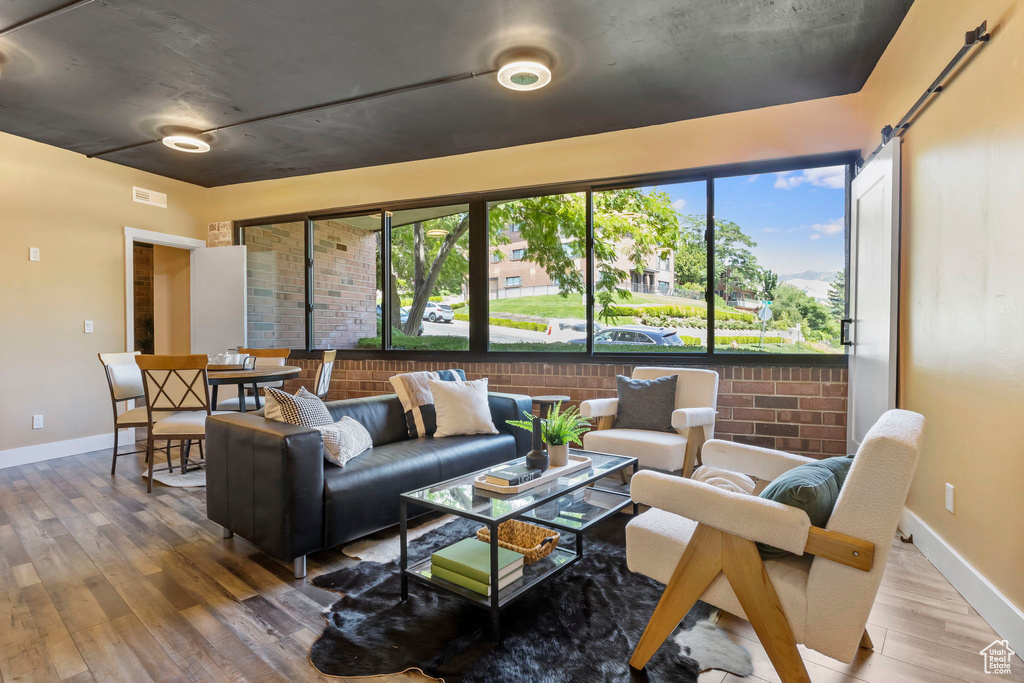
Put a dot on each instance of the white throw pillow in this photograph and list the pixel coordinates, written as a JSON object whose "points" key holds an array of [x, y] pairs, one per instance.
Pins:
{"points": [[344, 440], [461, 407]]}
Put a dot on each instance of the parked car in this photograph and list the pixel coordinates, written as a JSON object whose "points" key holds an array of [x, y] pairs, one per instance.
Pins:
{"points": [[403, 317], [438, 312], [635, 335]]}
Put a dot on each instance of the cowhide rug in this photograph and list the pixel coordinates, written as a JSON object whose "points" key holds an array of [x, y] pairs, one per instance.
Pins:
{"points": [[579, 626]]}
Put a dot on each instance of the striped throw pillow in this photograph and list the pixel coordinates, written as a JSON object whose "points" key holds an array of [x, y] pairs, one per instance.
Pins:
{"points": [[413, 391]]}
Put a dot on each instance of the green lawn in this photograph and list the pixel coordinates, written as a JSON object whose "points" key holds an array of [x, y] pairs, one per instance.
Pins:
{"points": [[555, 306]]}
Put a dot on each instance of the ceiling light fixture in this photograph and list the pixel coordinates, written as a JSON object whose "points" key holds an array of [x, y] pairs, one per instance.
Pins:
{"points": [[185, 143], [437, 232], [524, 70]]}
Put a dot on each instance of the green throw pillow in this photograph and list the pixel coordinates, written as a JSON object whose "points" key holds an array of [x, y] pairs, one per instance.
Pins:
{"points": [[813, 488]]}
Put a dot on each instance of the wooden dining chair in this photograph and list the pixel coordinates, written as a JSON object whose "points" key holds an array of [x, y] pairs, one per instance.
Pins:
{"points": [[179, 387], [264, 358], [322, 384], [124, 379]]}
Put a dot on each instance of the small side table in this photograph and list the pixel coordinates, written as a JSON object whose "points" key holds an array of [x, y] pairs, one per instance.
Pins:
{"points": [[546, 402]]}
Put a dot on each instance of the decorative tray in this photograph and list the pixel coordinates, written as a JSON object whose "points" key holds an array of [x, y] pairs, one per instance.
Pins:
{"points": [[575, 464]]}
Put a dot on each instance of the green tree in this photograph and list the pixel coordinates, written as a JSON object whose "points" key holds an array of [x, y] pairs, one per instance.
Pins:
{"points": [[736, 265], [837, 296], [692, 253], [797, 307], [769, 281]]}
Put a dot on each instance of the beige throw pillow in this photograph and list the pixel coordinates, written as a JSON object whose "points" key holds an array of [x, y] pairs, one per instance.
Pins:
{"points": [[344, 440], [461, 407]]}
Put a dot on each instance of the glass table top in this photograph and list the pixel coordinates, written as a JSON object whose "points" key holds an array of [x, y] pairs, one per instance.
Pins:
{"points": [[460, 496]]}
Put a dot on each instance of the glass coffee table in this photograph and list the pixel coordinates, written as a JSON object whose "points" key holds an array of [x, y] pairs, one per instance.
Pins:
{"points": [[571, 504]]}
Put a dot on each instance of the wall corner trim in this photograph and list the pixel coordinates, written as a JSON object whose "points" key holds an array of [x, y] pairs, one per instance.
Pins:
{"points": [[994, 607], [24, 455]]}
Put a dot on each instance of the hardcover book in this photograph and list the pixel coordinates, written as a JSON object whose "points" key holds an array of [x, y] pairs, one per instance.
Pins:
{"points": [[512, 476], [475, 586], [472, 558]]}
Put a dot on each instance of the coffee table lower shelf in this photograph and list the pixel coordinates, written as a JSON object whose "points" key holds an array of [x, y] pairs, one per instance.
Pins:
{"points": [[552, 565]]}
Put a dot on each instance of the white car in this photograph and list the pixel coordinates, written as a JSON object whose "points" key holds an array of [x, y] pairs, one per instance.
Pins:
{"points": [[438, 313]]}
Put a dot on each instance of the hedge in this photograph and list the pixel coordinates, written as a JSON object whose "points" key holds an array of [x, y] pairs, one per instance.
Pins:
{"points": [[503, 322], [748, 340], [677, 312]]}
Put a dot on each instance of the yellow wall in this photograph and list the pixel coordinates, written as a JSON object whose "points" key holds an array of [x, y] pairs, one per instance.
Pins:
{"points": [[74, 209], [171, 305], [962, 308], [812, 127]]}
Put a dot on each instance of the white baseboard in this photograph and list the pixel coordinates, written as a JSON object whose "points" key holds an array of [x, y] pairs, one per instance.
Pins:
{"points": [[13, 457], [1002, 615]]}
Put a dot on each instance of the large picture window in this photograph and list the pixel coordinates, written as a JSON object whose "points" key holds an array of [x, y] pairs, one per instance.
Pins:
{"points": [[616, 271]]}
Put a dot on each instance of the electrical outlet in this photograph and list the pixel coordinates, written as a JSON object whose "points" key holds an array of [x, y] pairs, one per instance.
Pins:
{"points": [[33, 253], [949, 497], [37, 422], [88, 327]]}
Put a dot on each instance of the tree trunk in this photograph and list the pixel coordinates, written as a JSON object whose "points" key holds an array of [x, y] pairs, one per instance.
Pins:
{"points": [[422, 294], [419, 256]]}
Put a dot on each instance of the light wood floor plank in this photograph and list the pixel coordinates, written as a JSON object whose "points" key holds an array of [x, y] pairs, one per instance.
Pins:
{"points": [[101, 581]]}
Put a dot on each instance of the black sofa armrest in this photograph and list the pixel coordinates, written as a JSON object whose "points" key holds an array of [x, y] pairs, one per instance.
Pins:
{"points": [[265, 482], [511, 407]]}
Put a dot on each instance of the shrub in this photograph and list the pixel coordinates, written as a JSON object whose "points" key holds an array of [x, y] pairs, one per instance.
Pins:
{"points": [[748, 340], [457, 305], [678, 312], [503, 322]]}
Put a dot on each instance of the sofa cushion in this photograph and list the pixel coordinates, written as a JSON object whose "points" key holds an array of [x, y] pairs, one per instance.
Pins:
{"points": [[382, 416], [362, 497]]}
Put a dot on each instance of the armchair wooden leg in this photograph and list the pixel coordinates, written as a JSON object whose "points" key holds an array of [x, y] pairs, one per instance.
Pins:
{"points": [[605, 422], [700, 564], [742, 565], [865, 641], [694, 441]]}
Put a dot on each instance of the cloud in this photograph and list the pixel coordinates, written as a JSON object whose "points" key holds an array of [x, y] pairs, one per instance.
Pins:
{"points": [[771, 230], [679, 204], [831, 177], [816, 236], [836, 226]]}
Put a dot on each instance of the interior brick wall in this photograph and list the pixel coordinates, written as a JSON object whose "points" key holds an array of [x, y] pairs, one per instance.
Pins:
{"points": [[142, 305], [796, 409]]}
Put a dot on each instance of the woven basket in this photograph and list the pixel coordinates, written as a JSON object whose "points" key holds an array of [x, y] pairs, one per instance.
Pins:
{"points": [[533, 542]]}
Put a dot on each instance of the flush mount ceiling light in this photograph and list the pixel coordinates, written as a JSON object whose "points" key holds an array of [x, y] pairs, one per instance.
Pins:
{"points": [[184, 143], [436, 232], [524, 70]]}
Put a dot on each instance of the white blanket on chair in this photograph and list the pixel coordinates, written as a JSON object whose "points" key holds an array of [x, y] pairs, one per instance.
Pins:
{"points": [[724, 479]]}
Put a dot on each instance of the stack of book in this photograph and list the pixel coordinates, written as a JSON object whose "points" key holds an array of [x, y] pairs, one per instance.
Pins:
{"points": [[468, 564], [513, 475]]}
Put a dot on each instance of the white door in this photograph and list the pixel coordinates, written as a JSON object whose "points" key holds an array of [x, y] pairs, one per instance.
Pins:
{"points": [[218, 299], [874, 291]]}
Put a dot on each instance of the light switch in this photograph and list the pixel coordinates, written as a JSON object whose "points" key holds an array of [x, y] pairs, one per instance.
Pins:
{"points": [[88, 327], [33, 253]]}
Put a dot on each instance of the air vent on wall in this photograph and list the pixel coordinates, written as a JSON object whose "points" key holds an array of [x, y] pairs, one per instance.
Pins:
{"points": [[144, 196]]}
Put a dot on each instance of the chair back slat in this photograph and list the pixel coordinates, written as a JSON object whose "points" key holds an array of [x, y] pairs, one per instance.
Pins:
{"points": [[268, 358], [123, 375], [177, 383], [694, 388], [839, 598], [323, 374]]}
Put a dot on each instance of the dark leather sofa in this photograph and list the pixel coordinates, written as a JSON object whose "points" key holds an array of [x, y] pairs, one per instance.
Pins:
{"points": [[268, 481]]}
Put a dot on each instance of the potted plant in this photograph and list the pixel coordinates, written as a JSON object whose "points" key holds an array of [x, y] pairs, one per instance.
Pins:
{"points": [[559, 429]]}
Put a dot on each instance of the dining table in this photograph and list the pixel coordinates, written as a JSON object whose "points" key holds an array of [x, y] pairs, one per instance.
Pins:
{"points": [[243, 377]]}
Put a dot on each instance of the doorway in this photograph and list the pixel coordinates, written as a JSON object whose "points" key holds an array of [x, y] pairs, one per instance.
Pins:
{"points": [[161, 299]]}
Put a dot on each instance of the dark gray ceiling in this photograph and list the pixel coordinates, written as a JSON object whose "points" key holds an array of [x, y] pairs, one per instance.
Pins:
{"points": [[116, 72]]}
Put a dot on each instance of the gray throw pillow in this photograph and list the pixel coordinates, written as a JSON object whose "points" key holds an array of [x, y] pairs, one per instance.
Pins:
{"points": [[646, 403]]}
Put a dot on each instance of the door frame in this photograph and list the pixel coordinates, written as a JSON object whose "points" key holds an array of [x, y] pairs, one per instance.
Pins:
{"points": [[131, 236]]}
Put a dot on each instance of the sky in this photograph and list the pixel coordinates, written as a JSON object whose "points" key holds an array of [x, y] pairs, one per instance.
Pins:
{"points": [[795, 217]]}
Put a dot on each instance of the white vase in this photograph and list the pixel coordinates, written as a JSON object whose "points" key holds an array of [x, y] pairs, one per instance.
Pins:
{"points": [[558, 456]]}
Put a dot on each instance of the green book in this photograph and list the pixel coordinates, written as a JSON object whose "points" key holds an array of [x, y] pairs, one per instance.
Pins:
{"points": [[475, 586], [472, 558]]}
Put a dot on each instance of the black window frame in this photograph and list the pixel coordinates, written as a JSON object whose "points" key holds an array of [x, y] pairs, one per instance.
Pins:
{"points": [[481, 259]]}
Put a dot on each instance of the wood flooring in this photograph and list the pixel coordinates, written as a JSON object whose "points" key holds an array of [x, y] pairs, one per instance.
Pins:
{"points": [[101, 582]]}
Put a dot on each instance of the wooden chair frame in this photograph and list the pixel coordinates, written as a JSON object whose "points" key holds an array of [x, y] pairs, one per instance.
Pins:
{"points": [[711, 552], [322, 381], [174, 366], [127, 425]]}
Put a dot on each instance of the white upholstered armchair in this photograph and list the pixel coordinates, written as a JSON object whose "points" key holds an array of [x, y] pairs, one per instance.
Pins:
{"points": [[693, 420], [700, 541]]}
